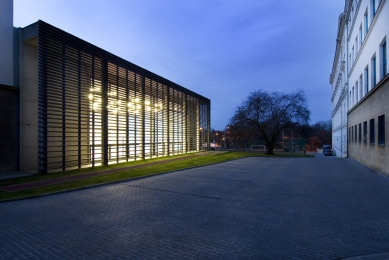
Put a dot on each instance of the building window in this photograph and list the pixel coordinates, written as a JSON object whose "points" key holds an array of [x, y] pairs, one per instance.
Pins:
{"points": [[373, 7], [360, 87], [356, 133], [384, 68], [372, 137], [365, 132], [352, 12], [381, 130], [352, 96], [356, 47], [349, 131], [351, 134], [360, 35], [349, 62], [356, 92], [367, 79], [374, 76], [359, 133], [349, 103], [353, 54], [366, 23], [345, 114]]}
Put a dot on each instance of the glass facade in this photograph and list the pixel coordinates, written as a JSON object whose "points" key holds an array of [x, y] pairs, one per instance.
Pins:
{"points": [[96, 108]]}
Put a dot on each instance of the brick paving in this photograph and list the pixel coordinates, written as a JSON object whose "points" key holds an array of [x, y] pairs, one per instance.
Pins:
{"points": [[253, 208]]}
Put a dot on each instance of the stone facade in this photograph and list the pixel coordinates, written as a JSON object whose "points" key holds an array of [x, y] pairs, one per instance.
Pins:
{"points": [[364, 144]]}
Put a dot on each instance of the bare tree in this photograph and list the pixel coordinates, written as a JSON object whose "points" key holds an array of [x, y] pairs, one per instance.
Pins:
{"points": [[266, 114]]}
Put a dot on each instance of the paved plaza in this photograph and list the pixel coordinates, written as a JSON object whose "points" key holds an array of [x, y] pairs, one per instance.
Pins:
{"points": [[253, 208]]}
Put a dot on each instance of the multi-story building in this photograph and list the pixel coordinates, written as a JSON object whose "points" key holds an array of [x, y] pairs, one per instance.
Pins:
{"points": [[69, 104], [367, 30], [338, 80]]}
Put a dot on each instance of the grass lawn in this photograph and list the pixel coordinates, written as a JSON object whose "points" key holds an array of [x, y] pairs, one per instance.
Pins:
{"points": [[161, 165]]}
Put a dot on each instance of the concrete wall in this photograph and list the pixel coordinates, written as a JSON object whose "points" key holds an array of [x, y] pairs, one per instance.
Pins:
{"points": [[8, 129], [371, 106], [6, 43], [29, 106]]}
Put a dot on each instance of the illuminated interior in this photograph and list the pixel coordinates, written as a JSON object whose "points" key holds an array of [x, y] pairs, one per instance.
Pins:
{"points": [[126, 114], [98, 109]]}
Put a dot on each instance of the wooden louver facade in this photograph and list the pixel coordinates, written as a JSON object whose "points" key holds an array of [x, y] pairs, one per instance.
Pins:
{"points": [[96, 108]]}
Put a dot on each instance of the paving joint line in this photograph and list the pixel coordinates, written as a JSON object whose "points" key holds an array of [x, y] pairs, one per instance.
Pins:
{"points": [[182, 193], [214, 178]]}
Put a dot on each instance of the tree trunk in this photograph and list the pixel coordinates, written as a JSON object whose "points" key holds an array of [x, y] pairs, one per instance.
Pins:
{"points": [[270, 147]]}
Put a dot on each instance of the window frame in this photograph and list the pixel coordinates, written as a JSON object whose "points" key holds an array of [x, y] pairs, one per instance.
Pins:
{"points": [[384, 59], [352, 54], [367, 79], [372, 131], [365, 132], [349, 134], [381, 130], [374, 71], [356, 92], [352, 96]]}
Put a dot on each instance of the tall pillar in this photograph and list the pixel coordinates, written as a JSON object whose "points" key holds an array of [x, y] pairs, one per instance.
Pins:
{"points": [[6, 43]]}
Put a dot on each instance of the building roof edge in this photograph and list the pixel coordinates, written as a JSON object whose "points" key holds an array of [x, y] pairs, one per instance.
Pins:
{"points": [[341, 23]]}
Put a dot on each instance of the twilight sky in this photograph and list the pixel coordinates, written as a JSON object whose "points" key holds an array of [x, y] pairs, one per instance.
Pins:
{"points": [[221, 49]]}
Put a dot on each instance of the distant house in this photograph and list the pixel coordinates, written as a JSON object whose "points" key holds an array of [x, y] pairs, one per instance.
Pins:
{"points": [[66, 104]]}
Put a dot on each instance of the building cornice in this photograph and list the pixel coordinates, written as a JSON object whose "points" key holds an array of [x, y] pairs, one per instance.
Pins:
{"points": [[338, 81], [341, 98], [342, 125], [338, 44]]}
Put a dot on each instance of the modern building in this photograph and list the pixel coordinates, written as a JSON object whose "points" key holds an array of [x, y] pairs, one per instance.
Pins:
{"points": [[367, 30], [70, 104]]}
